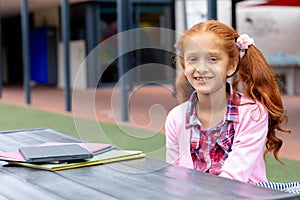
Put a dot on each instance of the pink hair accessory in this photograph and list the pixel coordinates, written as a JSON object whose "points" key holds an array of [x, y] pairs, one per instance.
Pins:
{"points": [[244, 41]]}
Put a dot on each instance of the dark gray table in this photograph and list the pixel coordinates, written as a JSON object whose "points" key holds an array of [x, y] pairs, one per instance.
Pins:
{"points": [[136, 179]]}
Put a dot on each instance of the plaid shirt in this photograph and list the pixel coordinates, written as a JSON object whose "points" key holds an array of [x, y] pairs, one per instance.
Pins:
{"points": [[210, 147]]}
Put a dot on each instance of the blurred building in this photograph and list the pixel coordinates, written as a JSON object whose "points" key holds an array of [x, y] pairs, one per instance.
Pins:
{"points": [[94, 21], [91, 22]]}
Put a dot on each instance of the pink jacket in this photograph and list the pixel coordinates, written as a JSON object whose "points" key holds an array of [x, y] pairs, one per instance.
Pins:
{"points": [[245, 162]]}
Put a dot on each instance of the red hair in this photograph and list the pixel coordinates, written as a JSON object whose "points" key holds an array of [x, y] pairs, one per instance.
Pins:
{"points": [[253, 71]]}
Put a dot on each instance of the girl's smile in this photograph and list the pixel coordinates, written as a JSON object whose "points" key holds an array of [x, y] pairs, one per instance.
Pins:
{"points": [[202, 80]]}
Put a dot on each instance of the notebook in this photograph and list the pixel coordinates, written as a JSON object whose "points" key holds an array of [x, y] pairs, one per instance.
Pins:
{"points": [[114, 155], [52, 153]]}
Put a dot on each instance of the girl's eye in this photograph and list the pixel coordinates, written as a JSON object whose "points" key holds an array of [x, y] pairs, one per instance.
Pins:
{"points": [[212, 59], [192, 59]]}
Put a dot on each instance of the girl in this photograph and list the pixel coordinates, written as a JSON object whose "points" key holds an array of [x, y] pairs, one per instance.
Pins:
{"points": [[218, 129]]}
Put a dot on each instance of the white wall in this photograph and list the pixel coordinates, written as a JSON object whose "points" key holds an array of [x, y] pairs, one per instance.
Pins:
{"points": [[77, 58], [274, 29], [197, 11]]}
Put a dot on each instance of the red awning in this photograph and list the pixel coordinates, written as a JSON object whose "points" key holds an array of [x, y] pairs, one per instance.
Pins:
{"points": [[280, 3]]}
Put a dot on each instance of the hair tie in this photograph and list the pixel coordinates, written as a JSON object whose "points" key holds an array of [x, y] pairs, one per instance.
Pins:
{"points": [[244, 41]]}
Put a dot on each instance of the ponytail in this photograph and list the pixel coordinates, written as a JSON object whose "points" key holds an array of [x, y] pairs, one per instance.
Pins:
{"points": [[259, 84]]}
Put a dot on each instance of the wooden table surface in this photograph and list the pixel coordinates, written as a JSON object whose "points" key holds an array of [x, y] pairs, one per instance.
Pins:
{"points": [[135, 179]]}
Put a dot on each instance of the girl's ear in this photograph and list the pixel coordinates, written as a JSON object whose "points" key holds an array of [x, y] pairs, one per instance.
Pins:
{"points": [[232, 69]]}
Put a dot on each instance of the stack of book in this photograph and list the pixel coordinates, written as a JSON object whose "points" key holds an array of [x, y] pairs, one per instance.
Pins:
{"points": [[102, 153]]}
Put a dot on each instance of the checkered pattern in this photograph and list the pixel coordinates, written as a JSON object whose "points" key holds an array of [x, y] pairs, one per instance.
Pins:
{"points": [[210, 147]]}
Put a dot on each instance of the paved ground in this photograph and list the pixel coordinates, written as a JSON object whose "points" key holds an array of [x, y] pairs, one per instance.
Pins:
{"points": [[148, 107]]}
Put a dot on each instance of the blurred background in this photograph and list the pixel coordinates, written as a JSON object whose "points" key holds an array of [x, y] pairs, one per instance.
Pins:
{"points": [[275, 28], [45, 47]]}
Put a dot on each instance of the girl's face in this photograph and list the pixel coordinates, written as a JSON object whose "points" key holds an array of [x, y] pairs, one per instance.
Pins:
{"points": [[207, 65]]}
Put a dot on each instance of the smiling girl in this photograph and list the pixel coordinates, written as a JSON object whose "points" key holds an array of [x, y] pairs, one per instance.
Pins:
{"points": [[222, 128]]}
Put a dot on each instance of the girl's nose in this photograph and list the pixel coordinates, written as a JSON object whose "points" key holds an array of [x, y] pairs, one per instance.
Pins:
{"points": [[201, 68]]}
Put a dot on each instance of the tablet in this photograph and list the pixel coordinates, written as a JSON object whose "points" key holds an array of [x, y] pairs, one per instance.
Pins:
{"points": [[44, 154]]}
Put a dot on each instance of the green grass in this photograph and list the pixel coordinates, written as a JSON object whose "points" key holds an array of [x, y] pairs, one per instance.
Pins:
{"points": [[14, 117], [282, 173]]}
